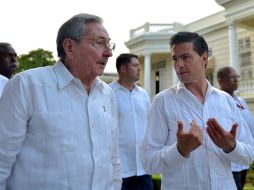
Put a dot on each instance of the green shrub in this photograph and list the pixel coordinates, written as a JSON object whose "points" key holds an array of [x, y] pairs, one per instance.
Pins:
{"points": [[156, 182]]}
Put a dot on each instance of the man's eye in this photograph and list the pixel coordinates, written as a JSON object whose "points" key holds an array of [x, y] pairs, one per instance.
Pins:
{"points": [[174, 59], [100, 43], [186, 57]]}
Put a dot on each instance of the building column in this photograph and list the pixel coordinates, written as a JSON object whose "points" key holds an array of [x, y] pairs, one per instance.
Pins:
{"points": [[233, 46], [147, 73]]}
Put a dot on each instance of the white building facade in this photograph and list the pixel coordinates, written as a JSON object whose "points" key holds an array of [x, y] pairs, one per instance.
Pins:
{"points": [[230, 37]]}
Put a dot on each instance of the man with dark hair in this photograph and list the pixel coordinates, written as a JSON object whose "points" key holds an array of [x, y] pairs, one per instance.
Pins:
{"points": [[8, 63], [228, 81], [8, 60], [193, 132], [58, 124], [133, 106]]}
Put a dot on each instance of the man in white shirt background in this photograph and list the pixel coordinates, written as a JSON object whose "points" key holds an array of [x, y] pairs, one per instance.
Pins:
{"points": [[3, 81], [8, 60], [133, 107], [58, 128], [8, 63], [193, 132], [228, 81]]}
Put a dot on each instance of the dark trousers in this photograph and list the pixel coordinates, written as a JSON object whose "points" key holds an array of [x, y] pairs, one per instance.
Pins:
{"points": [[143, 182], [240, 178]]}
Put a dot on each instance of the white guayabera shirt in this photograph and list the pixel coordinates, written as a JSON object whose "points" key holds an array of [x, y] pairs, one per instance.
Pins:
{"points": [[248, 117], [3, 81], [207, 167], [133, 108], [55, 136]]}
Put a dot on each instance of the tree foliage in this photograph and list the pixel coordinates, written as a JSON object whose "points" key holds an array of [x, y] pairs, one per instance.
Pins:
{"points": [[35, 58]]}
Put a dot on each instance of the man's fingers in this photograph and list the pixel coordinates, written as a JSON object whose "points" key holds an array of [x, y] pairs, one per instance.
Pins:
{"points": [[233, 129], [217, 131], [194, 128], [180, 127], [193, 123], [210, 132]]}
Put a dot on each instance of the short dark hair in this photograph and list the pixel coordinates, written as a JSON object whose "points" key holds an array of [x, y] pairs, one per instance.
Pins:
{"points": [[74, 28], [223, 72], [4, 46], [199, 43], [124, 59]]}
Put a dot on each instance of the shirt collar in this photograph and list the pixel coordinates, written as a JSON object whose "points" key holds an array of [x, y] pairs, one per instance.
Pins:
{"points": [[210, 88], [63, 75], [98, 83], [136, 87]]}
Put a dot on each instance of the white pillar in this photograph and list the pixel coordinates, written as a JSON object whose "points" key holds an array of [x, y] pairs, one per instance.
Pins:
{"points": [[233, 46], [147, 72]]}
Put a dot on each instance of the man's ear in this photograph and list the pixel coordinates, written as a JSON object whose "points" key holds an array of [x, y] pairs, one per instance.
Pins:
{"points": [[123, 68], [205, 57], [68, 47]]}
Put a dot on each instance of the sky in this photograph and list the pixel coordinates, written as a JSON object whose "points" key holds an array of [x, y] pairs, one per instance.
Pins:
{"points": [[32, 24]]}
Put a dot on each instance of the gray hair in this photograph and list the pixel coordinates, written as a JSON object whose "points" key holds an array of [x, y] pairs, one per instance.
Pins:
{"points": [[74, 28]]}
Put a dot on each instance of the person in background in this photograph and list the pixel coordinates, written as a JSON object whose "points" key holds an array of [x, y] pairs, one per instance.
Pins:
{"points": [[228, 82], [3, 81], [8, 63], [59, 128], [8, 60], [133, 106], [193, 134]]}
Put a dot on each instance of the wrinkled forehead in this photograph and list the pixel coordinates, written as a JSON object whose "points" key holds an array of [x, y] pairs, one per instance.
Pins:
{"points": [[96, 30], [7, 49]]}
